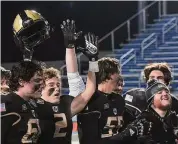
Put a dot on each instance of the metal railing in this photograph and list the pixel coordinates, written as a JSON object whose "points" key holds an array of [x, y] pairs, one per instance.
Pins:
{"points": [[153, 38], [123, 62], [168, 26], [128, 24]]}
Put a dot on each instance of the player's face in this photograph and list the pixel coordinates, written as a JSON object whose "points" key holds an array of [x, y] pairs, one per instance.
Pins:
{"points": [[120, 86], [34, 86], [162, 99], [114, 84], [53, 84], [4, 86], [157, 75]]}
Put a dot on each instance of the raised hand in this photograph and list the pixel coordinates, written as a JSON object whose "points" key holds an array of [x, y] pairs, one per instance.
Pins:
{"points": [[69, 32], [91, 47]]}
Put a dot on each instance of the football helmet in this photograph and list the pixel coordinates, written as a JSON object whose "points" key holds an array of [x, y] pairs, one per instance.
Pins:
{"points": [[135, 100], [30, 28]]}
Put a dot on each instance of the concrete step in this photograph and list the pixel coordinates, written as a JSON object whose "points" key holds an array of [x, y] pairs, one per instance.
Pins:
{"points": [[125, 75], [135, 70], [172, 42], [163, 19], [170, 15], [175, 38], [168, 47], [155, 24], [144, 63], [162, 58], [161, 55], [165, 53]]}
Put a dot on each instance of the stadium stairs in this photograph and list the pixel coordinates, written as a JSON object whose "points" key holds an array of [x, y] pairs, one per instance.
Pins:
{"points": [[157, 51]]}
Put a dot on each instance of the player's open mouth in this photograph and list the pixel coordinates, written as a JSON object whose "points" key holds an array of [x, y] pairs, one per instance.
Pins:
{"points": [[57, 94], [164, 98]]}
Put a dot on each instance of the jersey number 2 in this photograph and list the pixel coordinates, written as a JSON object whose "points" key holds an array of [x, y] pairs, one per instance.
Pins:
{"points": [[61, 123]]}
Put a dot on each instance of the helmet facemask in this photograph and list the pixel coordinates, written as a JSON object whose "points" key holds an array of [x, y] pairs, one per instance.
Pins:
{"points": [[34, 35]]}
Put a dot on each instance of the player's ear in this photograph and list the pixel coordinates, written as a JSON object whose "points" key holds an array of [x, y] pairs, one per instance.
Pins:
{"points": [[21, 82]]}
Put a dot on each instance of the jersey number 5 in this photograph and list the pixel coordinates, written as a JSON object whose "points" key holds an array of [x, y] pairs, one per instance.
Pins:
{"points": [[60, 123], [116, 123], [33, 132]]}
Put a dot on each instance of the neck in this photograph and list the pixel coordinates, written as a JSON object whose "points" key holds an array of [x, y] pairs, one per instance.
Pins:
{"points": [[45, 98], [21, 94], [104, 88], [160, 112]]}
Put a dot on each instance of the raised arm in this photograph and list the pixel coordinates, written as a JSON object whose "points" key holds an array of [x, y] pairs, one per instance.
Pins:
{"points": [[91, 51], [76, 84]]}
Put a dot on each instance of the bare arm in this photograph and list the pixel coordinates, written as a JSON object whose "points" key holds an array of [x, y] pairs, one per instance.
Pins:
{"points": [[76, 84], [91, 51], [81, 100], [71, 60]]}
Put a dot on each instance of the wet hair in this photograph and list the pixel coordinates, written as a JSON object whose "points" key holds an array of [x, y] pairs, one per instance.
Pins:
{"points": [[163, 67], [107, 67], [24, 70]]}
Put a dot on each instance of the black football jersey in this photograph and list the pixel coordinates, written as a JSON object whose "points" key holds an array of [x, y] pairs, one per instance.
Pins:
{"points": [[55, 121], [19, 122], [63, 121], [101, 118], [47, 124]]}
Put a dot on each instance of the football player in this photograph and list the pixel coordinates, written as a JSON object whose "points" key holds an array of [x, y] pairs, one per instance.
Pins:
{"points": [[20, 123], [59, 117], [102, 117]]}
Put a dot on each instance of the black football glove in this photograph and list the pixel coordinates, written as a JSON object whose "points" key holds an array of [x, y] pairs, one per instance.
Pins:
{"points": [[91, 47], [69, 32], [138, 128], [141, 127]]}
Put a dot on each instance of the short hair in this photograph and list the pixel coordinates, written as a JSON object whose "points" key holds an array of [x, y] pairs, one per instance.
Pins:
{"points": [[163, 67], [107, 67], [24, 70], [51, 72]]}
